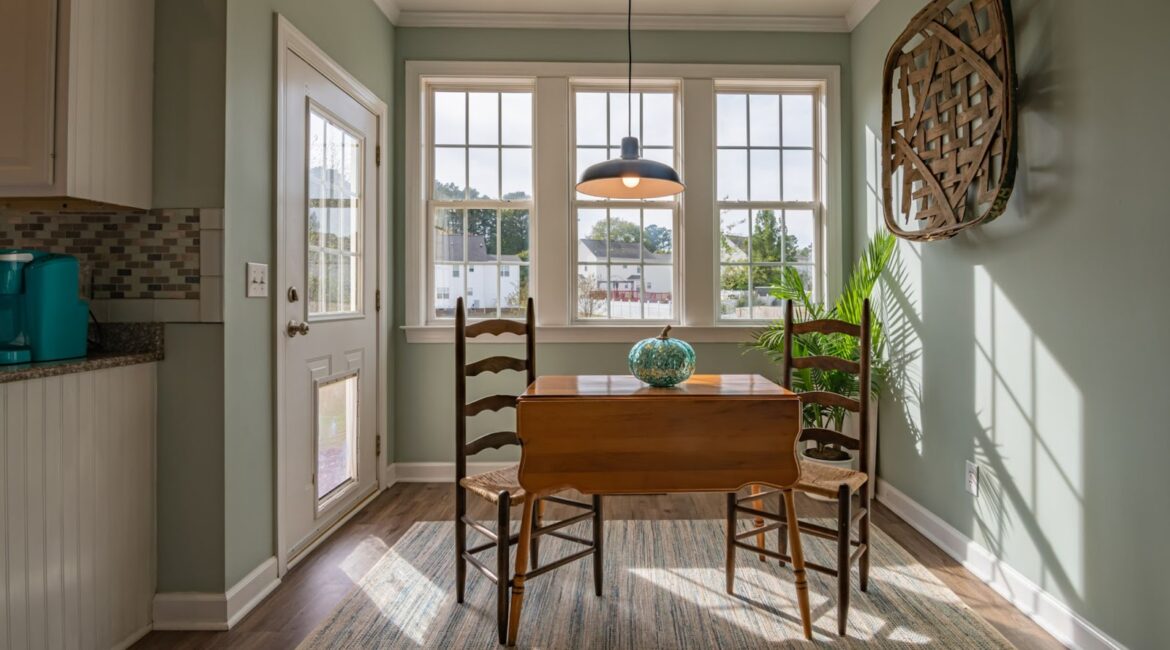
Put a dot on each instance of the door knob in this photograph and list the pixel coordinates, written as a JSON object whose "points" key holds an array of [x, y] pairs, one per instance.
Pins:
{"points": [[293, 328]]}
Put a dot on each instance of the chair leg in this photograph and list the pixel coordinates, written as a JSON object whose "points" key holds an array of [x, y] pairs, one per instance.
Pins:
{"points": [[863, 537], [844, 501], [598, 544], [538, 512], [782, 532], [731, 542], [503, 575], [460, 543]]}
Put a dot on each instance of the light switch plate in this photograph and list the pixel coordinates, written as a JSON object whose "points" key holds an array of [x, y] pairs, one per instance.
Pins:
{"points": [[257, 278], [972, 479]]}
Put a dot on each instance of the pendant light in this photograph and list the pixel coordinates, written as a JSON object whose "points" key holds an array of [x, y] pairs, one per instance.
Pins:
{"points": [[630, 177]]}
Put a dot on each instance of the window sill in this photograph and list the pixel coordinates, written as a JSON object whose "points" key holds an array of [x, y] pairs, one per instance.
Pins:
{"points": [[591, 334]]}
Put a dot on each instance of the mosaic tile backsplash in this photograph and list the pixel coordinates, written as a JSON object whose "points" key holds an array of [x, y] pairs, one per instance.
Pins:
{"points": [[123, 253]]}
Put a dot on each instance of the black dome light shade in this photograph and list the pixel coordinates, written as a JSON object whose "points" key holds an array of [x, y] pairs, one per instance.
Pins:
{"points": [[630, 177]]}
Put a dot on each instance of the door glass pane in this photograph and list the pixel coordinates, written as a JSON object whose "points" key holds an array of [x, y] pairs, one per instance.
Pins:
{"points": [[334, 261], [336, 434]]}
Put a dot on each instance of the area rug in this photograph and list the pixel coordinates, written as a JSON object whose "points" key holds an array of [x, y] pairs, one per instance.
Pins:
{"points": [[664, 588]]}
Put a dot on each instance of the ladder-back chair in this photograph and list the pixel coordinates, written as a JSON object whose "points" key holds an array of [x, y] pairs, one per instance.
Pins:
{"points": [[828, 481], [502, 487]]}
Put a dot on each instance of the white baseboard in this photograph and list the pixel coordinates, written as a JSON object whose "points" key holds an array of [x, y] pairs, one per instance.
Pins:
{"points": [[215, 611], [439, 472], [1055, 617], [133, 638]]}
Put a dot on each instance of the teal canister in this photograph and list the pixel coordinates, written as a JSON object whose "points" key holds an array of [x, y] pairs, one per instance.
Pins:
{"points": [[662, 361]]}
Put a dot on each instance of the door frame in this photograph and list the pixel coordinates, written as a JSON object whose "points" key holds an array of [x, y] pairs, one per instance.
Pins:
{"points": [[291, 41]]}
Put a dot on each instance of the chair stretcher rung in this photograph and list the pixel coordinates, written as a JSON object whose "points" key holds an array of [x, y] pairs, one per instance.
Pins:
{"points": [[571, 538], [479, 565], [560, 563], [564, 523], [759, 513], [857, 516], [857, 552], [569, 502], [759, 531], [480, 528]]}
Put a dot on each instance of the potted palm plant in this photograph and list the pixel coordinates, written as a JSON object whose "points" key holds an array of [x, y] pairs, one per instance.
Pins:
{"points": [[848, 308]]}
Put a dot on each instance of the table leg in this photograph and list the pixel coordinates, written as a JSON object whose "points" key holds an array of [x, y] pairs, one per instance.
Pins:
{"points": [[797, 563], [522, 548]]}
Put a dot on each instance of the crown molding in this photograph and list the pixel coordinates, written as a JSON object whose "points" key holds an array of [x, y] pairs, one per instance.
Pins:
{"points": [[390, 8], [618, 21], [858, 12]]}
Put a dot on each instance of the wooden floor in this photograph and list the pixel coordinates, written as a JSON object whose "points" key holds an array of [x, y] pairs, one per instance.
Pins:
{"points": [[313, 588]]}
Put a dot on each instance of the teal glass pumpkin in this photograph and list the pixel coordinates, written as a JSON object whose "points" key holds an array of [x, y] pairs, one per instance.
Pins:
{"points": [[662, 361]]}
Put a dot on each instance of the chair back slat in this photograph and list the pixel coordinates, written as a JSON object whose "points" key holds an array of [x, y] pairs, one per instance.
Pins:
{"points": [[827, 326], [489, 403], [496, 327], [830, 437], [492, 441], [827, 363], [496, 364], [830, 399], [861, 368]]}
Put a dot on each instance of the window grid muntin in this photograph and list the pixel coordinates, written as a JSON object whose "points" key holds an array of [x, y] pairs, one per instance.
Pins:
{"points": [[434, 205], [583, 202], [321, 251], [782, 207]]}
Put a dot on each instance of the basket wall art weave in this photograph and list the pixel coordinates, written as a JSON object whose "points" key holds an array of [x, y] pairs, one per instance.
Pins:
{"points": [[949, 120]]}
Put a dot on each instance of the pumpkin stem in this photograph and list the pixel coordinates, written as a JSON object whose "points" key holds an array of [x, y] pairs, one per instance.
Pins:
{"points": [[665, 333]]}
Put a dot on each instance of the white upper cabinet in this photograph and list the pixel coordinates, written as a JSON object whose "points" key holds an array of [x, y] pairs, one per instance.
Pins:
{"points": [[76, 100]]}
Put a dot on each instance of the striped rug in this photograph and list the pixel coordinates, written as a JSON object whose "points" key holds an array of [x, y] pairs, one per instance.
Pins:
{"points": [[664, 588]]}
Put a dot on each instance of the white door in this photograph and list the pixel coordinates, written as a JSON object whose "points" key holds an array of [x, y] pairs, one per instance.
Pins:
{"points": [[329, 255]]}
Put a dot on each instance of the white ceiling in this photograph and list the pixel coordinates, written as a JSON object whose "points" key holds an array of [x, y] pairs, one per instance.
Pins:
{"points": [[753, 15]]}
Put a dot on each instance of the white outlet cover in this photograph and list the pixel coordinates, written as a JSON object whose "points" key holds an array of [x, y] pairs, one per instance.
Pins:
{"points": [[972, 479], [257, 279]]}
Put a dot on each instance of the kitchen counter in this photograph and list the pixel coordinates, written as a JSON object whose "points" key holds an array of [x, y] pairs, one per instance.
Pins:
{"points": [[117, 344]]}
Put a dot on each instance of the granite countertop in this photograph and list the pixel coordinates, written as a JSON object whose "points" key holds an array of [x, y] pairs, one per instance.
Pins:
{"points": [[111, 345]]}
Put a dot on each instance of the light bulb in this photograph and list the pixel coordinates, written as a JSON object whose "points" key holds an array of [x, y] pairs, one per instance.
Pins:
{"points": [[631, 181]]}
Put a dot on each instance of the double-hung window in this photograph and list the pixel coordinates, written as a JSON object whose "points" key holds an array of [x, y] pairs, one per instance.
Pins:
{"points": [[480, 199], [766, 188], [624, 252], [493, 153]]}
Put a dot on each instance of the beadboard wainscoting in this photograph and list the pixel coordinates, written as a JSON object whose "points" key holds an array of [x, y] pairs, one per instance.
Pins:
{"points": [[78, 528]]}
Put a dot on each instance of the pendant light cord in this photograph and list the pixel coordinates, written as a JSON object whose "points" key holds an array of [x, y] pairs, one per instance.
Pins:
{"points": [[630, 68]]}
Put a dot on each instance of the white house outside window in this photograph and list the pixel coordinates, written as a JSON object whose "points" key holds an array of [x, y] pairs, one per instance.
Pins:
{"points": [[480, 200], [623, 247]]}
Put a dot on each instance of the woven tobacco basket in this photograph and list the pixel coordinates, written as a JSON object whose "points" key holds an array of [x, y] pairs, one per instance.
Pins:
{"points": [[951, 150]]}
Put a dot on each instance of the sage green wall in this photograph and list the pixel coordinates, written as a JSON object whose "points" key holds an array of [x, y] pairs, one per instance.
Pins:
{"points": [[189, 44], [190, 460], [1036, 345], [190, 37], [358, 36], [423, 421]]}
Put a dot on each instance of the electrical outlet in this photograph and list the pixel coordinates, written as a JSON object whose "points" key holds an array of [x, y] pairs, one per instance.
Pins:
{"points": [[972, 479], [257, 278]]}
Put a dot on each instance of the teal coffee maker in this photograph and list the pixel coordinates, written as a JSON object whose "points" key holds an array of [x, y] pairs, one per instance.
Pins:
{"points": [[42, 317]]}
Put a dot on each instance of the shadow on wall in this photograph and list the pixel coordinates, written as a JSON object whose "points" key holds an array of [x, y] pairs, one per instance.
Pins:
{"points": [[1005, 349]]}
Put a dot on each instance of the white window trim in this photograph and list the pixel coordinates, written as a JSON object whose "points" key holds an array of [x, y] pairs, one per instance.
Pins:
{"points": [[697, 234]]}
